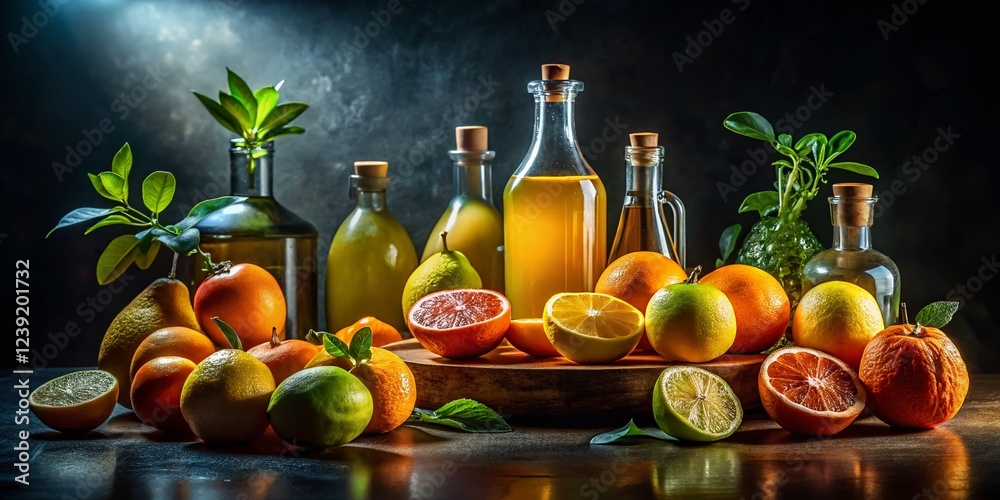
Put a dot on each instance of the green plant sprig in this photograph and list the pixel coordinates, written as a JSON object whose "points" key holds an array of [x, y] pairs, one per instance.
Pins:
{"points": [[141, 248], [256, 117], [801, 175]]}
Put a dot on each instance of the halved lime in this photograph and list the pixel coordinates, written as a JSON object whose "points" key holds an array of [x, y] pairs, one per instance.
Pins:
{"points": [[695, 404], [75, 402]]}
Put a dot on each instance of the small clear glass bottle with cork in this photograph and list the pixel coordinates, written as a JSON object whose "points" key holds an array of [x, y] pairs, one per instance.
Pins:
{"points": [[852, 258], [473, 223], [643, 223], [371, 256]]}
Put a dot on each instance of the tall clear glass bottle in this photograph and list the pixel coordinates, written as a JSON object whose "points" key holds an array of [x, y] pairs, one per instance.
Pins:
{"points": [[643, 223], [371, 256], [264, 232], [852, 258], [555, 206], [474, 225]]}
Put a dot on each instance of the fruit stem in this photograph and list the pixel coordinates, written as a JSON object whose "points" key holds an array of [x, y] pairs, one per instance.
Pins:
{"points": [[173, 267], [917, 330], [444, 240], [693, 277], [275, 341]]}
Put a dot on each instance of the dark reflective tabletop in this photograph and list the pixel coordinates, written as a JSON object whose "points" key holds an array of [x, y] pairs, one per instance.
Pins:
{"points": [[126, 459]]}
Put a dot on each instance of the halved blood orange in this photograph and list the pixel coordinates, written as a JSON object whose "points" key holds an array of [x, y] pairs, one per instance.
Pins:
{"points": [[461, 323], [810, 392]]}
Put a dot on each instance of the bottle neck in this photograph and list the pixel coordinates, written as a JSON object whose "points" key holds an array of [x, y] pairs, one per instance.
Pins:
{"points": [[555, 126], [370, 192], [250, 176], [852, 238], [473, 174], [643, 175], [554, 149]]}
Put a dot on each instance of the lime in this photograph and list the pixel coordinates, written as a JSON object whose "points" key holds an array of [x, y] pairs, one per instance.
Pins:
{"points": [[694, 404], [319, 407], [75, 402], [225, 398], [591, 327]]}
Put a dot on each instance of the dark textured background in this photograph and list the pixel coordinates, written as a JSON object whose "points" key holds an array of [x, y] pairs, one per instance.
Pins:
{"points": [[397, 97]]}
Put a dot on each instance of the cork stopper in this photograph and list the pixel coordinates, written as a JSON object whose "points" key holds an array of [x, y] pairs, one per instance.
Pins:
{"points": [[644, 139], [555, 72], [852, 204], [471, 138], [371, 169]]}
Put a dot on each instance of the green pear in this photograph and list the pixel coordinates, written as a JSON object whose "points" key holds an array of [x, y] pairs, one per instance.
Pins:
{"points": [[165, 302], [445, 270]]}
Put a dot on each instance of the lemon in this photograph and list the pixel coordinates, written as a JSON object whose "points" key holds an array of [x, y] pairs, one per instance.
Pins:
{"points": [[225, 398], [838, 318], [591, 327], [690, 322], [75, 402], [695, 404], [320, 407]]}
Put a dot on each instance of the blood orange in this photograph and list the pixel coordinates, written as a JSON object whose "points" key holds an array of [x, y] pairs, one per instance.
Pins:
{"points": [[810, 392], [460, 323]]}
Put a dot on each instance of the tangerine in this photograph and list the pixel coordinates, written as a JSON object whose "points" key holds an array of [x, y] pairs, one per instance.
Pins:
{"points": [[156, 392], [759, 301], [172, 341], [382, 332], [284, 357]]}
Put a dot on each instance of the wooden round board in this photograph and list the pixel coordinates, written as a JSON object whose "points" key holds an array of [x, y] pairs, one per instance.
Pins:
{"points": [[513, 383]]}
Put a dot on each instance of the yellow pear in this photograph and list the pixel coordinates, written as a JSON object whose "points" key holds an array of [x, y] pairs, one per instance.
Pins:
{"points": [[165, 302]]}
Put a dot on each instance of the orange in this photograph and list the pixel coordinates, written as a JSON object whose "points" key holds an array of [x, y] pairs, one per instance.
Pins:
{"points": [[172, 341], [382, 332], [636, 276], [528, 336], [761, 305], [838, 318], [915, 377], [393, 389], [156, 392], [284, 357], [810, 392], [460, 323], [246, 297]]}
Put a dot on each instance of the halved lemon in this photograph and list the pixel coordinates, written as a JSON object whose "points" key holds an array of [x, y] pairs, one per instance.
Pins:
{"points": [[592, 328], [75, 402], [694, 404]]}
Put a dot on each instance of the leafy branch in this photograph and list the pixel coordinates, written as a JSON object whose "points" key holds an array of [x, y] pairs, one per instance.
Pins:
{"points": [[141, 248], [802, 173], [256, 117]]}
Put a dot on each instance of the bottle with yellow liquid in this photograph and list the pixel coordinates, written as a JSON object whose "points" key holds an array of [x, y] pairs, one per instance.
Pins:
{"points": [[473, 223], [371, 257], [555, 206]]}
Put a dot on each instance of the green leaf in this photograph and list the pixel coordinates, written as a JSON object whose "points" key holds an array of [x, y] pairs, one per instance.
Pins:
{"points": [[818, 148], [804, 145], [235, 108], [146, 238], [116, 258], [335, 347], [630, 430], [840, 142], [206, 208], [463, 414], [858, 168], [727, 243], [762, 202], [241, 91], [83, 214], [283, 131], [280, 116], [183, 244], [95, 180], [785, 140], [782, 164], [115, 184], [361, 345], [110, 221], [267, 98], [144, 259], [785, 150], [751, 125], [220, 114], [122, 163], [158, 191], [937, 314], [231, 336]]}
